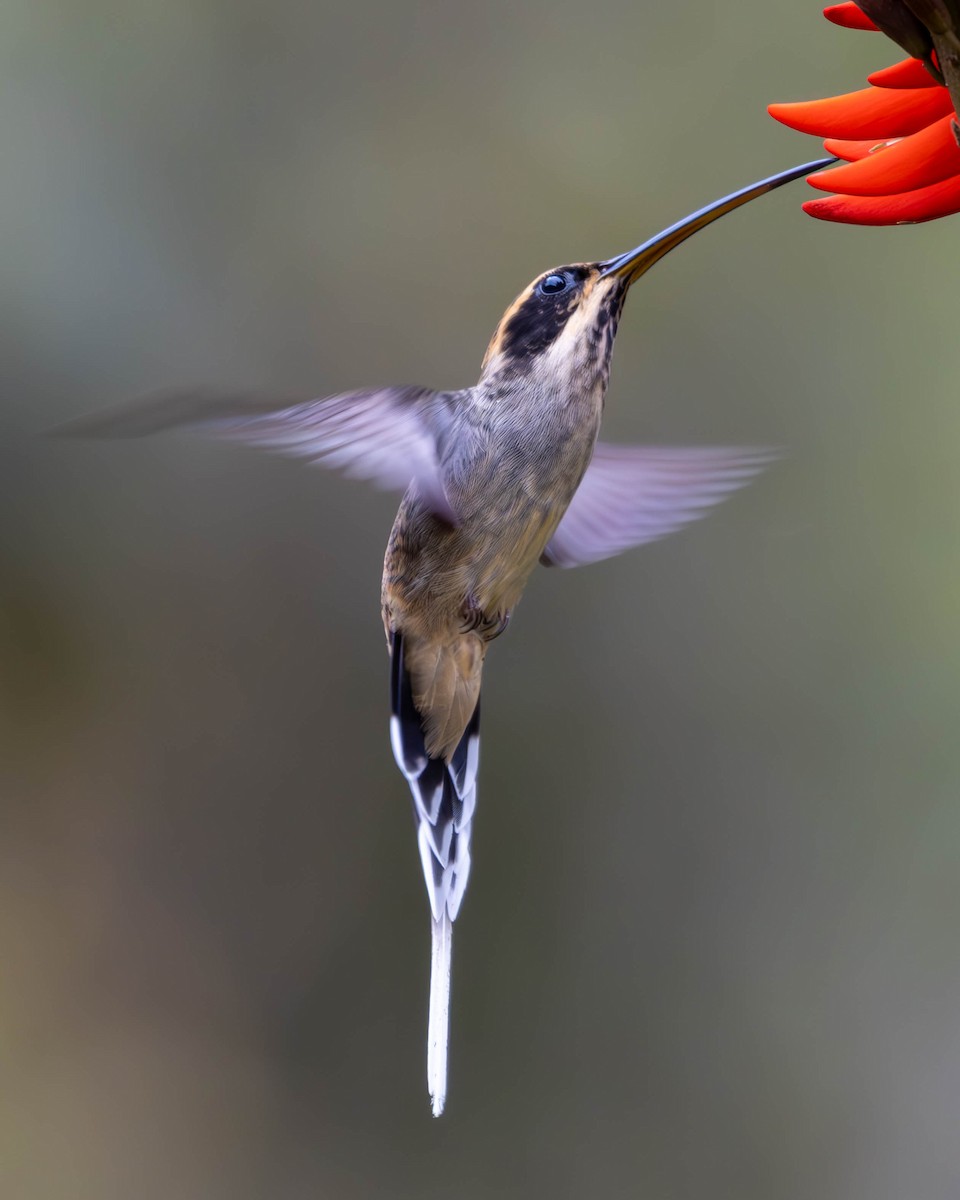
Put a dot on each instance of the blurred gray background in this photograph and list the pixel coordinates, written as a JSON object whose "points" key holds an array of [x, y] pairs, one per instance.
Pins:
{"points": [[710, 947]]}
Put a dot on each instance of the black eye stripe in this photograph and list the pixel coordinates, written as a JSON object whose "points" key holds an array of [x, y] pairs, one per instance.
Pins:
{"points": [[540, 316]]}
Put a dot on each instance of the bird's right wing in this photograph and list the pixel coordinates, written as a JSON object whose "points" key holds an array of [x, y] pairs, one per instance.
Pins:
{"points": [[386, 435], [635, 494]]}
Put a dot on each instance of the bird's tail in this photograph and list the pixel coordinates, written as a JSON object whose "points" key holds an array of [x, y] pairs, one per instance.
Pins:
{"points": [[438, 1028], [444, 799]]}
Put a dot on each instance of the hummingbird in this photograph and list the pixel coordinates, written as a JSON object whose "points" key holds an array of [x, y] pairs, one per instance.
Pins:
{"points": [[495, 478]]}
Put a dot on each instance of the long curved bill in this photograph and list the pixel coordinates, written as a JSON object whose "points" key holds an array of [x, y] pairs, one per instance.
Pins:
{"points": [[634, 263]]}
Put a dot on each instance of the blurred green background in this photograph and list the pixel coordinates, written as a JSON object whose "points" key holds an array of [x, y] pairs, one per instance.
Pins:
{"points": [[710, 946]]}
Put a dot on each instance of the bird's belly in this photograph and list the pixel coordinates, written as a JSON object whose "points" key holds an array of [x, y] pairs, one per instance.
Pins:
{"points": [[503, 555], [435, 574], [510, 503]]}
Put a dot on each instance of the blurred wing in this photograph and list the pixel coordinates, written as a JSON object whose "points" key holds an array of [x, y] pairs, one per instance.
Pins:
{"points": [[385, 435], [635, 494]]}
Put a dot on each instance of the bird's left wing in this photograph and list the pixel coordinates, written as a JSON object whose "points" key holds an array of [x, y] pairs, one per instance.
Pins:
{"points": [[635, 494], [387, 435]]}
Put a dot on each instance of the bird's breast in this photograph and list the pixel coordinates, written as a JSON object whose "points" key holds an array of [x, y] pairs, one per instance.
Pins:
{"points": [[511, 469]]}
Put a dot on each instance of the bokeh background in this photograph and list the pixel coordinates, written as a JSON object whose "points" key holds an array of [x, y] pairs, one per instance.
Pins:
{"points": [[711, 945]]}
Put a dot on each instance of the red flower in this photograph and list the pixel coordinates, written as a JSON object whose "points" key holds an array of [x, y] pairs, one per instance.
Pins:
{"points": [[902, 160]]}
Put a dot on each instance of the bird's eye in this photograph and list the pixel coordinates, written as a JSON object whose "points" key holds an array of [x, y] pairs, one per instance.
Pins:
{"points": [[553, 284]]}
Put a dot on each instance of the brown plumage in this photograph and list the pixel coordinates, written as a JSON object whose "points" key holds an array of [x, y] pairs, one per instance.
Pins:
{"points": [[450, 589], [497, 478]]}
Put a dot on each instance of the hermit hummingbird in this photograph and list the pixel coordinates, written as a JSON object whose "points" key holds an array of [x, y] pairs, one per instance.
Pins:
{"points": [[496, 478]]}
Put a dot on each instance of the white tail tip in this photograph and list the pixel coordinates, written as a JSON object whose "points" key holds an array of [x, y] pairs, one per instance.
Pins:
{"points": [[438, 1030]]}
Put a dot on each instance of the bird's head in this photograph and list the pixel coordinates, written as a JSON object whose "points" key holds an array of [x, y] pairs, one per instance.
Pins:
{"points": [[565, 320], [562, 325]]}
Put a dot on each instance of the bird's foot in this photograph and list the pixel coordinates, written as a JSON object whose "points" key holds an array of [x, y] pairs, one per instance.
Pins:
{"points": [[475, 620]]}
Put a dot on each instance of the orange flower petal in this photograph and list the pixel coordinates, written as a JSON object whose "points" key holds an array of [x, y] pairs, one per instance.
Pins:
{"points": [[911, 73], [871, 113], [901, 162], [850, 16], [913, 162], [851, 151], [925, 204]]}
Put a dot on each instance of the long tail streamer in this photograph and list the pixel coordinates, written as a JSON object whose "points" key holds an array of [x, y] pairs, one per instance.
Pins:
{"points": [[444, 799]]}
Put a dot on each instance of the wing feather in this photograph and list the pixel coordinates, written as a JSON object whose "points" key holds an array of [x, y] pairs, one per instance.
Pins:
{"points": [[387, 435], [636, 494]]}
